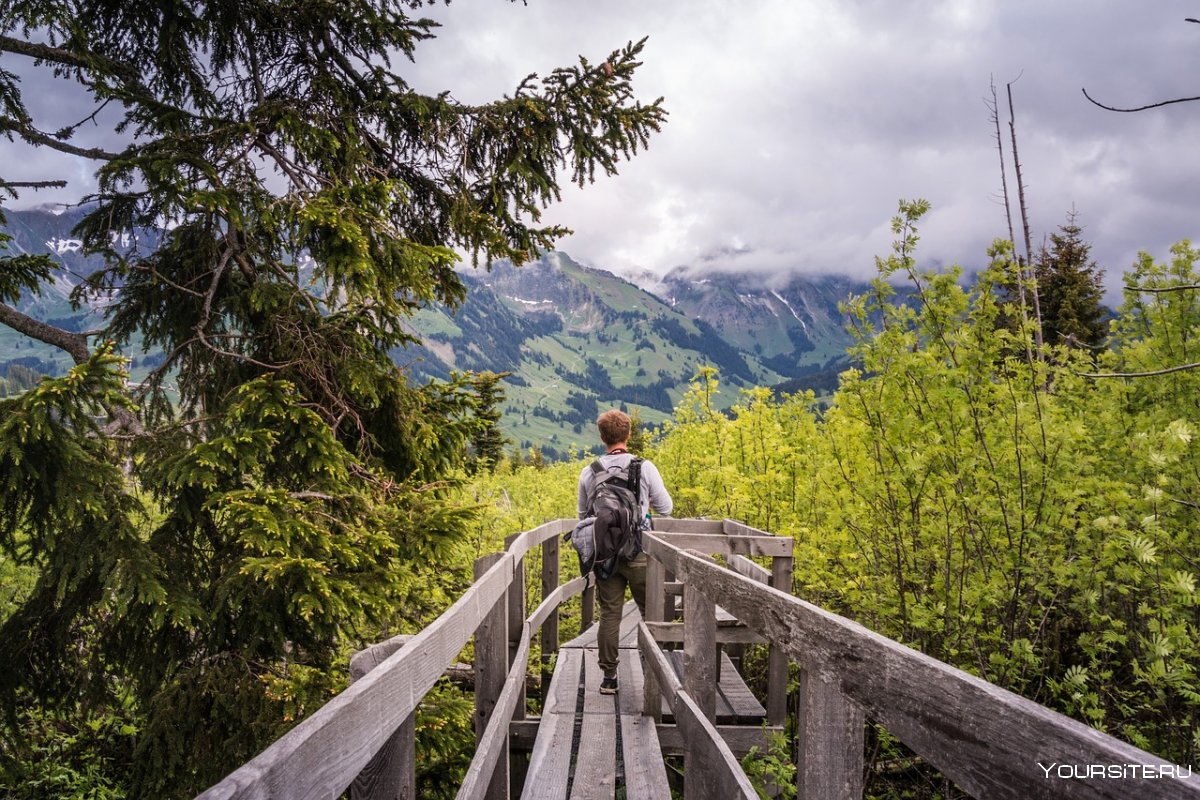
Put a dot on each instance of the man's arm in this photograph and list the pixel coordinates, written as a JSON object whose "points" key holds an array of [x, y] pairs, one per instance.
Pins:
{"points": [[582, 504], [660, 498]]}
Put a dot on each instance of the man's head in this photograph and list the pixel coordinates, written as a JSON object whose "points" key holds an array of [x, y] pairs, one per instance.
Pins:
{"points": [[614, 427]]}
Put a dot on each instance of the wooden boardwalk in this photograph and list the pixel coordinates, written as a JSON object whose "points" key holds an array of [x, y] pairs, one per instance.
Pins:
{"points": [[686, 701], [590, 746]]}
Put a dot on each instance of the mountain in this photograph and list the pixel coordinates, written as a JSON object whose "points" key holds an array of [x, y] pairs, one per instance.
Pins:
{"points": [[576, 339]]}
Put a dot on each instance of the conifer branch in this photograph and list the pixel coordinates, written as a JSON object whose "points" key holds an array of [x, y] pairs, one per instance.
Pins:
{"points": [[75, 344], [32, 184], [36, 137]]}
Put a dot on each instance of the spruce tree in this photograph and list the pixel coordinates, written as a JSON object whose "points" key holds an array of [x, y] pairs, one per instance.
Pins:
{"points": [[1069, 286], [205, 539]]}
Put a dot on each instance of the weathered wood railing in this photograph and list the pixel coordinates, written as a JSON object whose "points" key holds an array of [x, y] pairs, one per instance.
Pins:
{"points": [[323, 755], [990, 742]]}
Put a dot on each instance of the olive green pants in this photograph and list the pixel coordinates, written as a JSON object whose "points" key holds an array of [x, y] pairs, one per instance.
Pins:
{"points": [[611, 593]]}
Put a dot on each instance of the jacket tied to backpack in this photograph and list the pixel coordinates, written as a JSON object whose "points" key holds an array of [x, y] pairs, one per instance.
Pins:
{"points": [[613, 528]]}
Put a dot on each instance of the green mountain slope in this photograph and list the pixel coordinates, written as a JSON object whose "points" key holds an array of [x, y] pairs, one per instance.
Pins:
{"points": [[575, 339]]}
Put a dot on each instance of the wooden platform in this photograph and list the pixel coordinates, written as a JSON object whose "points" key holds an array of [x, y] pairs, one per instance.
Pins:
{"points": [[591, 745]]}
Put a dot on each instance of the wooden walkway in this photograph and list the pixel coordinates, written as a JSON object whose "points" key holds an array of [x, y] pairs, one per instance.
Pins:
{"points": [[686, 702], [591, 746]]}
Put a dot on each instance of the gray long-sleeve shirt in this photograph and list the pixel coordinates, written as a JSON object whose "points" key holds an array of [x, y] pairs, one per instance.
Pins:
{"points": [[654, 493]]}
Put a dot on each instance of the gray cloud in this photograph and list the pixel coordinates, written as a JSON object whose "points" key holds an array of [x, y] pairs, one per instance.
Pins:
{"points": [[796, 127]]}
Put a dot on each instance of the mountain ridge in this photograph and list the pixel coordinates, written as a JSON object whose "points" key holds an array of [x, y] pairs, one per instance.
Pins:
{"points": [[574, 338]]}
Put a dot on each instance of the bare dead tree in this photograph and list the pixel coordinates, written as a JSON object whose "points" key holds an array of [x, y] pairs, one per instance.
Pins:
{"points": [[994, 109], [1037, 305]]}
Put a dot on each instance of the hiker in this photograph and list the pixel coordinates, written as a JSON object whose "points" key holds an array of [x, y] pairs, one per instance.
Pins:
{"points": [[614, 429]]}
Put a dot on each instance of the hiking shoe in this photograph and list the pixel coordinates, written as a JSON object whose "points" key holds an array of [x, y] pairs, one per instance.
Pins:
{"points": [[608, 685]]}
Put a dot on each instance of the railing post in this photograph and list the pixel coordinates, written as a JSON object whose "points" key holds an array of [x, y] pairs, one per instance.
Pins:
{"points": [[777, 661], [516, 619], [549, 632], [700, 648], [829, 742], [491, 669], [392, 773], [655, 599]]}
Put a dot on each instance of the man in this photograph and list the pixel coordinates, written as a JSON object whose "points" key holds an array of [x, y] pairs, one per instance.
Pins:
{"points": [[614, 433]]}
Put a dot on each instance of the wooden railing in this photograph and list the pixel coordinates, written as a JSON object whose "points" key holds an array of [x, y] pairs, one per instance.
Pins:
{"points": [[990, 742]]}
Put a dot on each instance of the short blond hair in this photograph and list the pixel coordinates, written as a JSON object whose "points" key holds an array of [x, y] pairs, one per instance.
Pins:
{"points": [[614, 427]]}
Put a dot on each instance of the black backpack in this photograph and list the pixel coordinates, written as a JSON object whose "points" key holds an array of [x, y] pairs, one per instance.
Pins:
{"points": [[616, 505]]}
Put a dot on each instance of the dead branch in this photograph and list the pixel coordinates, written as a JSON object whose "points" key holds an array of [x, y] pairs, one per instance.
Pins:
{"points": [[1150, 374], [1096, 102]]}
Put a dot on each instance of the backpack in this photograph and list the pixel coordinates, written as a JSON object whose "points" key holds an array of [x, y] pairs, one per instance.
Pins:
{"points": [[613, 528]]}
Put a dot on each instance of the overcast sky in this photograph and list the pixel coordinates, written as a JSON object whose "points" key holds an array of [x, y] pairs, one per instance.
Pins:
{"points": [[796, 125]]}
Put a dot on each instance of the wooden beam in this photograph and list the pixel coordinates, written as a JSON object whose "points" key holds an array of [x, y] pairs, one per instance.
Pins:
{"points": [[656, 601], [700, 649], [744, 566], [710, 770], [777, 660], [722, 545], [516, 620], [392, 773], [829, 742], [739, 738], [322, 755], [673, 525], [673, 633], [491, 676], [492, 748]]}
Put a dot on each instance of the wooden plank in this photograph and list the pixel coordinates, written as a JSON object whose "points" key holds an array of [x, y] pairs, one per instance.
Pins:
{"points": [[320, 756], [492, 748], [550, 762], [644, 773], [673, 525], [595, 775], [736, 704], [710, 770], [731, 527], [829, 742], [744, 566], [777, 661], [491, 674], [672, 633], [700, 649], [719, 544], [987, 740], [739, 738]]}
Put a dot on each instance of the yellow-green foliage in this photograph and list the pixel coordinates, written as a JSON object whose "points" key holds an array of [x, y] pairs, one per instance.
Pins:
{"points": [[1000, 512]]}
